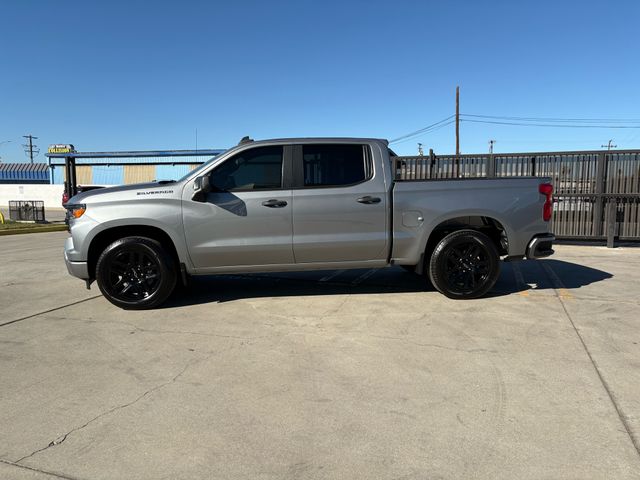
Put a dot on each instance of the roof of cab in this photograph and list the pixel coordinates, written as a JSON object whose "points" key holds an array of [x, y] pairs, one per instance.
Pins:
{"points": [[316, 140]]}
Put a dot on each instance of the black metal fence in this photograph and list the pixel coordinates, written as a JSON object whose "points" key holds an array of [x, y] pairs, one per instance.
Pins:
{"points": [[26, 210], [596, 193]]}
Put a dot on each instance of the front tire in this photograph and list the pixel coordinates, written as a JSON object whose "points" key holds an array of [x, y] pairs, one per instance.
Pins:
{"points": [[136, 273], [465, 264]]}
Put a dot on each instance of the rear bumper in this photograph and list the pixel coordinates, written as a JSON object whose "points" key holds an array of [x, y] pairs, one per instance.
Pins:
{"points": [[540, 246]]}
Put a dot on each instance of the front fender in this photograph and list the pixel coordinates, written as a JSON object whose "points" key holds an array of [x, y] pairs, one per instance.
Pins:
{"points": [[166, 216]]}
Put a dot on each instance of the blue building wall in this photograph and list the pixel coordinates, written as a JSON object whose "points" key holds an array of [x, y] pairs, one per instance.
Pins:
{"points": [[107, 175], [57, 174], [171, 172]]}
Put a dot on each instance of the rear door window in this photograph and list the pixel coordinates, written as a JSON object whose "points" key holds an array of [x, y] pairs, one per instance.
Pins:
{"points": [[335, 165]]}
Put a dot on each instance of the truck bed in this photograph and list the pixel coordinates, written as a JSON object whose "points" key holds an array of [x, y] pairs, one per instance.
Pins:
{"points": [[514, 203]]}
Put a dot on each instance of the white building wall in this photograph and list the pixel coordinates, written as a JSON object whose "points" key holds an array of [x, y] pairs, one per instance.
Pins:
{"points": [[50, 194]]}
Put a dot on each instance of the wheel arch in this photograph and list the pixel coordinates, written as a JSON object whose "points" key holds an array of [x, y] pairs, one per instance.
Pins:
{"points": [[496, 229], [109, 235]]}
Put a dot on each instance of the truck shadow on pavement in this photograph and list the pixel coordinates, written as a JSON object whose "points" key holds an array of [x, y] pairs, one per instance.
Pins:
{"points": [[514, 277], [545, 274]]}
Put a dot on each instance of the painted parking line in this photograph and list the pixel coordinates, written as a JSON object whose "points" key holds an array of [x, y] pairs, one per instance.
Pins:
{"points": [[364, 276], [519, 278], [332, 275], [556, 282]]}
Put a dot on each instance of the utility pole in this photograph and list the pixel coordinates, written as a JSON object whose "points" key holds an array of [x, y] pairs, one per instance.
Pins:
{"points": [[457, 130], [491, 144], [420, 151], [609, 146], [31, 149], [457, 121]]}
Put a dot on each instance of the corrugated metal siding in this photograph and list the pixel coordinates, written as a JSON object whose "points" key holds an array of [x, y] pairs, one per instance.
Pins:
{"points": [[57, 175], [24, 173], [139, 173], [84, 175], [108, 175]]}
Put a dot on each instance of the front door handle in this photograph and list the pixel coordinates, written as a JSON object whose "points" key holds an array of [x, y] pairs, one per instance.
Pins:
{"points": [[368, 199], [274, 203]]}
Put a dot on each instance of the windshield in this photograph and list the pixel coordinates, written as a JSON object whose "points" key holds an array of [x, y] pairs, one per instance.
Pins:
{"points": [[201, 167]]}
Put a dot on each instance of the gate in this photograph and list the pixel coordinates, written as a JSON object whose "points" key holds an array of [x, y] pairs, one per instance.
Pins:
{"points": [[27, 210], [596, 193]]}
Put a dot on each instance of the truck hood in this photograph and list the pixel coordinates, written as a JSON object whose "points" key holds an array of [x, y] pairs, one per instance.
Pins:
{"points": [[136, 190]]}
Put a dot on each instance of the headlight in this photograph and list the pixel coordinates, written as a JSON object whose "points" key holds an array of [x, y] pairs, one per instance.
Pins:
{"points": [[76, 210]]}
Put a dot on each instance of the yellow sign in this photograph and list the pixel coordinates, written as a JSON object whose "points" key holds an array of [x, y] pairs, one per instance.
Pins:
{"points": [[61, 148]]}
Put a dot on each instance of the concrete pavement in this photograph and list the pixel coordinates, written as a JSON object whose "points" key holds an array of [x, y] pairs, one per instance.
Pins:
{"points": [[353, 374]]}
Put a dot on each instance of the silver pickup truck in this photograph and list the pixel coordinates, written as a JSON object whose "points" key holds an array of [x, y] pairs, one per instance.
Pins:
{"points": [[304, 204]]}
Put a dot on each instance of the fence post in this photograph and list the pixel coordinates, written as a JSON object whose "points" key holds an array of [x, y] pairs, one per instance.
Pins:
{"points": [[432, 162], [600, 187], [491, 166], [533, 166], [612, 220]]}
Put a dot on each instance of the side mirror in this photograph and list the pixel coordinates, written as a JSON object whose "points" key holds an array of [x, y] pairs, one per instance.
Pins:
{"points": [[201, 187]]}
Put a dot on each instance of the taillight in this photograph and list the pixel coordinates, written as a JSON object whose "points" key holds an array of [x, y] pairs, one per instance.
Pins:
{"points": [[546, 189]]}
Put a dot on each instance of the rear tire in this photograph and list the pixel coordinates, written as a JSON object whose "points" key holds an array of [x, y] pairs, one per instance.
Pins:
{"points": [[465, 264], [136, 273]]}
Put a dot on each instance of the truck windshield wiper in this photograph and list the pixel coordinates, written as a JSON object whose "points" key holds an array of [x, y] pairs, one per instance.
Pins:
{"points": [[163, 182]]}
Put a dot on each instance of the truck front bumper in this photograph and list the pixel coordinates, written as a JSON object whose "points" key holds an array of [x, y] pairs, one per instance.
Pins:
{"points": [[540, 246], [77, 269]]}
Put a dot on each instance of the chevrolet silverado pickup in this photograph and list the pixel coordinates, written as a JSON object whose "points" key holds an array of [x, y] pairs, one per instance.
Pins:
{"points": [[304, 204]]}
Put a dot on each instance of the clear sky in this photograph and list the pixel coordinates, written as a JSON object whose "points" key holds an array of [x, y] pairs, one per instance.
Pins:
{"points": [[125, 75]]}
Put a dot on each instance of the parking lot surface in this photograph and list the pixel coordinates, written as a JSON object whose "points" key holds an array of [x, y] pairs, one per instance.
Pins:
{"points": [[348, 374]]}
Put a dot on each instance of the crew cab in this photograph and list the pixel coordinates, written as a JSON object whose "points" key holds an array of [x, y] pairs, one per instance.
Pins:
{"points": [[304, 204]]}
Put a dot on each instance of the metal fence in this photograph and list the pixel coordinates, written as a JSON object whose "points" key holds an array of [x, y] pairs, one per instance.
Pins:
{"points": [[596, 193], [26, 210]]}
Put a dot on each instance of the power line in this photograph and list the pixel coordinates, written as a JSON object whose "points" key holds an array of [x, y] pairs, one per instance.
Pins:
{"points": [[438, 127], [546, 122], [557, 119], [422, 130], [554, 125]]}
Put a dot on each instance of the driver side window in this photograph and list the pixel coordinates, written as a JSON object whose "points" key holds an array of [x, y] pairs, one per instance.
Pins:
{"points": [[254, 169]]}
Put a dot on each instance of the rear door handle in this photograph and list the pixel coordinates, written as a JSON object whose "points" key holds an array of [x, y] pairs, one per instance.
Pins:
{"points": [[368, 199], [274, 203]]}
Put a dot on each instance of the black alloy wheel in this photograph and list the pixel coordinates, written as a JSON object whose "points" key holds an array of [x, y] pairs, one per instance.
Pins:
{"points": [[465, 264], [136, 273]]}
